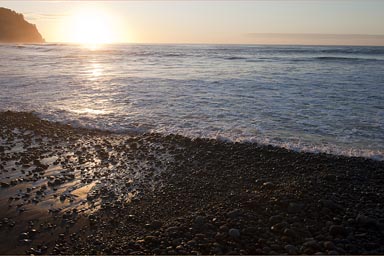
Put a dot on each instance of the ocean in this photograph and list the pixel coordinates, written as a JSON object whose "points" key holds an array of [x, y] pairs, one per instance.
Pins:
{"points": [[324, 99]]}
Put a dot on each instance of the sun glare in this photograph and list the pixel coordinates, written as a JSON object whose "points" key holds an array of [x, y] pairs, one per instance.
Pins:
{"points": [[92, 27]]}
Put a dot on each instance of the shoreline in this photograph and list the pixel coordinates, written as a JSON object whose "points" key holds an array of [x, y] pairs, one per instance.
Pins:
{"points": [[84, 191], [331, 150]]}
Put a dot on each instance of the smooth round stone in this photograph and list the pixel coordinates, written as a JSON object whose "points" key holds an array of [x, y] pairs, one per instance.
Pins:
{"points": [[268, 185], [329, 245], [24, 235], [234, 214], [200, 220], [336, 230], [275, 219], [234, 233], [291, 249]]}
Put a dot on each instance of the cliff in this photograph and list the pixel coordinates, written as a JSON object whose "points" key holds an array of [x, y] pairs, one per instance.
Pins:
{"points": [[15, 29]]}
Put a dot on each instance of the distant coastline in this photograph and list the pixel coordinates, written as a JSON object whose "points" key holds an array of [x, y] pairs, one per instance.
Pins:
{"points": [[15, 29]]}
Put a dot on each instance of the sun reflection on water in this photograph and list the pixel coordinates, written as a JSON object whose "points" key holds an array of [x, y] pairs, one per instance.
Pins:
{"points": [[89, 111], [92, 46], [95, 71]]}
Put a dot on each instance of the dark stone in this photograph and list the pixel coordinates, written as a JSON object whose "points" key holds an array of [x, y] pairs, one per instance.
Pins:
{"points": [[275, 219], [234, 233], [330, 205], [200, 220], [313, 245], [337, 230], [234, 214], [4, 184], [291, 249], [249, 231], [151, 239], [279, 227], [268, 185], [330, 177], [368, 222], [329, 245], [295, 207]]}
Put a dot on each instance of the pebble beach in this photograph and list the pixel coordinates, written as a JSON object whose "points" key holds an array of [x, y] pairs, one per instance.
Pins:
{"points": [[67, 190]]}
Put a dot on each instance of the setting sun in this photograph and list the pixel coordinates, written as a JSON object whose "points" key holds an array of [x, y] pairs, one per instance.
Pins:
{"points": [[92, 27]]}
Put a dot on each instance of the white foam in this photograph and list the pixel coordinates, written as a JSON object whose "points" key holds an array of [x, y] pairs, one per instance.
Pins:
{"points": [[312, 106]]}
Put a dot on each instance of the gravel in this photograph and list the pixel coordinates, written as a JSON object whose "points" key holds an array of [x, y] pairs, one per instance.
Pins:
{"points": [[68, 190]]}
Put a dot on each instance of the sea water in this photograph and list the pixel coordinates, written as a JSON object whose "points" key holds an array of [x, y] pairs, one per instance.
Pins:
{"points": [[307, 98]]}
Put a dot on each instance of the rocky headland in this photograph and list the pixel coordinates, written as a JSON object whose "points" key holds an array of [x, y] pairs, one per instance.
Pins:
{"points": [[66, 190], [15, 29]]}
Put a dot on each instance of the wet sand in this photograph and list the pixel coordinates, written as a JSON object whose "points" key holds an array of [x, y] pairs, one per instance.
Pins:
{"points": [[67, 190]]}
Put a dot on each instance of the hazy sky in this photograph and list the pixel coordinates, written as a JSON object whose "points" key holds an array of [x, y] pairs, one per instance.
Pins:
{"points": [[278, 22]]}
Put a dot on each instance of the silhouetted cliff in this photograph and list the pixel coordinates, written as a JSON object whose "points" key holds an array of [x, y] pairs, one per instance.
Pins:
{"points": [[14, 29]]}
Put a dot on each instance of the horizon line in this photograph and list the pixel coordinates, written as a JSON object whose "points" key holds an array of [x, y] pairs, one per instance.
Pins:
{"points": [[184, 43]]}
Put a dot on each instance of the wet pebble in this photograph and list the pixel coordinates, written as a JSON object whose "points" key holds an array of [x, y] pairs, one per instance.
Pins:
{"points": [[291, 249], [234, 233], [268, 185], [337, 230]]}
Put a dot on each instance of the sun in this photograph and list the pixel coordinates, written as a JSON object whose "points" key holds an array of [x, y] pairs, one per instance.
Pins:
{"points": [[92, 27]]}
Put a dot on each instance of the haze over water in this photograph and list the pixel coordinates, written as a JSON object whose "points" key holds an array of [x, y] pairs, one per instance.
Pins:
{"points": [[317, 99]]}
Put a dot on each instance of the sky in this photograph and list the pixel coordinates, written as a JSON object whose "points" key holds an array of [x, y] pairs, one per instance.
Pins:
{"points": [[327, 22]]}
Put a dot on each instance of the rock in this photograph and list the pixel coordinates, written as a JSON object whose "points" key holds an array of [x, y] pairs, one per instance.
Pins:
{"points": [[38, 170], [172, 230], [330, 205], [290, 233], [177, 241], [368, 222], [191, 243], [279, 226], [234, 233], [217, 248], [234, 214], [24, 235], [371, 246], [220, 236], [200, 220], [330, 177], [291, 249], [340, 250], [4, 184], [15, 29], [268, 185], [275, 247], [295, 207], [311, 246], [70, 176], [156, 224], [337, 230], [329, 245], [34, 251], [32, 232], [25, 241], [249, 231], [151, 239], [275, 219], [223, 228]]}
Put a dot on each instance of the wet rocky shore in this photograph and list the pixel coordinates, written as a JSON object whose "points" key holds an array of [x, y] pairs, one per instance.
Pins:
{"points": [[67, 190]]}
